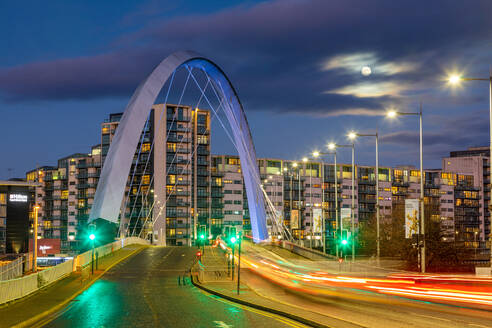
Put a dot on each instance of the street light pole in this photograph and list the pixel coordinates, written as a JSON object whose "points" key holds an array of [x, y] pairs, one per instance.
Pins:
{"points": [[317, 154], [421, 231], [422, 199], [336, 202], [334, 146], [353, 204], [35, 240], [352, 136], [455, 79]]}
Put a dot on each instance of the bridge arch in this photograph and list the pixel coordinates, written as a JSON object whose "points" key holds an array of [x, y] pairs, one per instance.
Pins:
{"points": [[111, 187]]}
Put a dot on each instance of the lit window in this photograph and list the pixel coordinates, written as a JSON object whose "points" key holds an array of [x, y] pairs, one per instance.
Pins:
{"points": [[146, 147], [146, 179]]}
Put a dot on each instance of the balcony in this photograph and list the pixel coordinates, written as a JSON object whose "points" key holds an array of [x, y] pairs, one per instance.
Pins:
{"points": [[87, 165], [177, 118], [176, 139], [367, 191], [177, 214], [202, 130], [175, 170], [201, 151], [86, 185], [400, 184], [367, 201], [178, 226], [178, 193], [217, 205], [178, 204]]}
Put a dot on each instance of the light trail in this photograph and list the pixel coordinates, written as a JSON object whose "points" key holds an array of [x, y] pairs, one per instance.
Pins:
{"points": [[435, 288]]}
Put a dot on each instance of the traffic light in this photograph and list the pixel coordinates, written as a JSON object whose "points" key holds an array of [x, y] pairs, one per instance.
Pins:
{"points": [[344, 238], [92, 236], [233, 240], [202, 236]]}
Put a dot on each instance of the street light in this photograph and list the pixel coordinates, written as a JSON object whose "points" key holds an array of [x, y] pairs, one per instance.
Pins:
{"points": [[35, 239], [305, 159], [352, 230], [353, 136], [92, 238], [392, 114], [331, 146], [455, 79]]}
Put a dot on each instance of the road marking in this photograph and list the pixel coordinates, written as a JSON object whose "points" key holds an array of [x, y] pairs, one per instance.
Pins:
{"points": [[475, 325], [247, 308], [222, 324], [429, 316]]}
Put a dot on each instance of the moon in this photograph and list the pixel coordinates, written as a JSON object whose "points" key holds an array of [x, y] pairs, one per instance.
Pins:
{"points": [[366, 71]]}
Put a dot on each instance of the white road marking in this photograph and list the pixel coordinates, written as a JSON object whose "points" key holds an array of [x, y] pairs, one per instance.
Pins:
{"points": [[222, 324], [429, 316], [475, 325]]}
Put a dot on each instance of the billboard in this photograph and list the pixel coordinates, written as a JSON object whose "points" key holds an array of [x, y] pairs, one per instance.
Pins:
{"points": [[411, 217], [346, 219], [294, 219], [317, 221]]}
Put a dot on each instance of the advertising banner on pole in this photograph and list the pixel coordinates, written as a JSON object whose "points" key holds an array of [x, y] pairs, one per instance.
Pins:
{"points": [[345, 214], [317, 220], [411, 217], [294, 219]]}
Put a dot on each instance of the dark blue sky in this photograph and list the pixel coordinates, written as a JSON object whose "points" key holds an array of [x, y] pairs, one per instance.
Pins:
{"points": [[65, 65]]}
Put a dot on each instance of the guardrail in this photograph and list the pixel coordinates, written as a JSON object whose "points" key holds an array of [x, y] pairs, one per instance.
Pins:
{"points": [[17, 288]]}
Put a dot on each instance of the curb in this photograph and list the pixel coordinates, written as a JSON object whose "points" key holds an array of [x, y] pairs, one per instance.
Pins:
{"points": [[260, 307], [57, 307]]}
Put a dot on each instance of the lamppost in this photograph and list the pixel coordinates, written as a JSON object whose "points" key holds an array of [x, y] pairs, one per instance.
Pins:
{"points": [[392, 114], [352, 136], [317, 154], [334, 146], [456, 79], [92, 237], [35, 240], [305, 160]]}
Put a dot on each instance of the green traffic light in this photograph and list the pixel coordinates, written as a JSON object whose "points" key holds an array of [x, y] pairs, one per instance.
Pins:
{"points": [[202, 236], [233, 240], [344, 242], [92, 236]]}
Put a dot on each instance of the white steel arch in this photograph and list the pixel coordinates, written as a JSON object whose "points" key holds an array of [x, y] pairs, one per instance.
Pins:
{"points": [[111, 187]]}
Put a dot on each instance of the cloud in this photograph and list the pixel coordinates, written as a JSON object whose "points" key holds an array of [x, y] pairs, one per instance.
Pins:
{"points": [[282, 55], [372, 89], [353, 63]]}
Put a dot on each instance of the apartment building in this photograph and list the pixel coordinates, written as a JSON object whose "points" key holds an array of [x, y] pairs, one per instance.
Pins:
{"points": [[176, 158]]}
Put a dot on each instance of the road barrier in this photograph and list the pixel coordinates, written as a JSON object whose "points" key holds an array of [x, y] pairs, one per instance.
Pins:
{"points": [[17, 288]]}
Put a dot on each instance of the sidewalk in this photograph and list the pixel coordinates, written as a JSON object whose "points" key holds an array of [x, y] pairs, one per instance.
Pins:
{"points": [[33, 308], [228, 288]]}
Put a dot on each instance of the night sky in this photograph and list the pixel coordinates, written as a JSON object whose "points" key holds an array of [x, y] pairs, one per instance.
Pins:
{"points": [[65, 65]]}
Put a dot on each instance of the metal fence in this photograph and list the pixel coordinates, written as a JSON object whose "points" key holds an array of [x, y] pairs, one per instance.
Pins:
{"points": [[12, 269]]}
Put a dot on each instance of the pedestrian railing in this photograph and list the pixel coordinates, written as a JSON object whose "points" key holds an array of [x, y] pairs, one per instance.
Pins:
{"points": [[12, 269]]}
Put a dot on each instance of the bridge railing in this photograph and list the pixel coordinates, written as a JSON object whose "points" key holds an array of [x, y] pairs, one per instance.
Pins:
{"points": [[12, 269], [17, 288]]}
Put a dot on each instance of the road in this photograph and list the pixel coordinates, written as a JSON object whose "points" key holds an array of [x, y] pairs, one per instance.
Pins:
{"points": [[144, 291], [350, 302]]}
